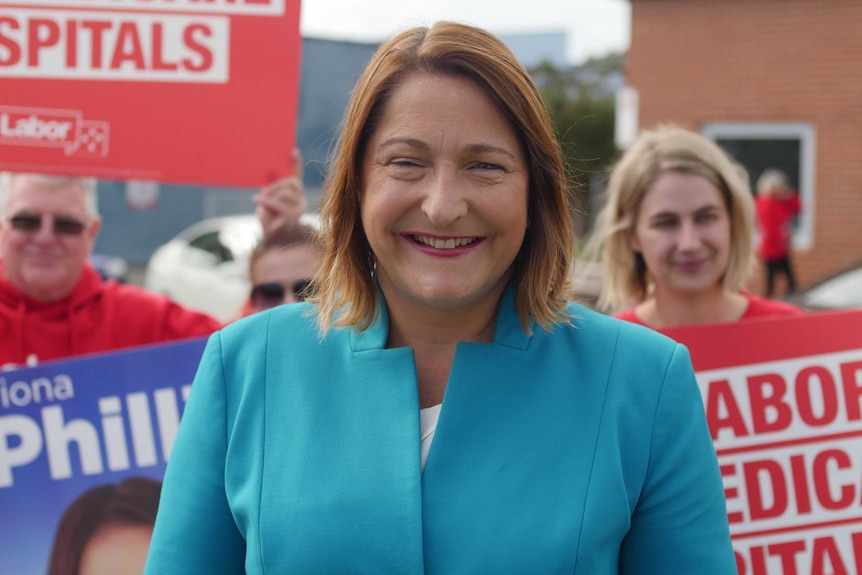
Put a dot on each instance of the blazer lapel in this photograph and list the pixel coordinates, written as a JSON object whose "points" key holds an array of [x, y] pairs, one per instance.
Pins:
{"points": [[517, 414]]}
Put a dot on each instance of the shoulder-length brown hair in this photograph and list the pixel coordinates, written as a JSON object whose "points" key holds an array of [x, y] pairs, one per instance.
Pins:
{"points": [[625, 277], [347, 295], [133, 501]]}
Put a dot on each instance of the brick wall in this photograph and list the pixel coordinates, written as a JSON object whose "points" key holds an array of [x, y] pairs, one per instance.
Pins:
{"points": [[698, 61]]}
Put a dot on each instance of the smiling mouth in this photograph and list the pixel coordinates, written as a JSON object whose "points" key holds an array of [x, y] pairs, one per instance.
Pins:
{"points": [[444, 244], [690, 264]]}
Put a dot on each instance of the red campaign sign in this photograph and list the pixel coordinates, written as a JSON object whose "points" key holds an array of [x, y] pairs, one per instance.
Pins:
{"points": [[783, 401], [185, 91]]}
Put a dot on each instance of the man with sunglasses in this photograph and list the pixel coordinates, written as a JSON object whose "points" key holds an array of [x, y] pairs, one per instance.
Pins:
{"points": [[281, 266], [52, 303]]}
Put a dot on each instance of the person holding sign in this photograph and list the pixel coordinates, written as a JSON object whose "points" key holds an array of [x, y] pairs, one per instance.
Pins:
{"points": [[439, 405], [286, 258], [677, 235], [53, 304], [282, 267], [283, 202]]}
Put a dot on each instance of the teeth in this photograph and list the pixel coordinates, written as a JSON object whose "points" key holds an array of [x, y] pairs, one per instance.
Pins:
{"points": [[446, 244]]}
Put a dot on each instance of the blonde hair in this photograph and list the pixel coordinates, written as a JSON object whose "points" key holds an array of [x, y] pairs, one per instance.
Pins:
{"points": [[668, 149], [87, 185], [348, 295]]}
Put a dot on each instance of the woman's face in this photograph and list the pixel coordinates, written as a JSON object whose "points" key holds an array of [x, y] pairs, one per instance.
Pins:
{"points": [[683, 233], [116, 550], [444, 195]]}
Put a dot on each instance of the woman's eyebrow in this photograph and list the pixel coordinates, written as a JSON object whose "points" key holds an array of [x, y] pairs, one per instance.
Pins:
{"points": [[412, 142], [485, 148], [472, 148], [708, 208], [664, 214]]}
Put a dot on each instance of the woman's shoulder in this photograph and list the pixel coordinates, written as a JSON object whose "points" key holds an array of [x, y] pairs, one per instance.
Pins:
{"points": [[634, 361], [628, 338], [628, 315], [759, 307], [288, 323]]}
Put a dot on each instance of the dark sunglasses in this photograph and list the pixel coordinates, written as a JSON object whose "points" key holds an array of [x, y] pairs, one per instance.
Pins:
{"points": [[62, 225], [264, 296]]}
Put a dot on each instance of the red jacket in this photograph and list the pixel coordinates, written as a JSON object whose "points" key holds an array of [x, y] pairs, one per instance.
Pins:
{"points": [[97, 316], [775, 217]]}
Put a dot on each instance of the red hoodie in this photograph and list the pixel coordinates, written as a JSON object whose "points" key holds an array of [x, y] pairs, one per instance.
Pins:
{"points": [[775, 216], [97, 316]]}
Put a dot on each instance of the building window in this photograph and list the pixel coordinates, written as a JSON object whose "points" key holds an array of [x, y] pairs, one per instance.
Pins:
{"points": [[789, 147]]}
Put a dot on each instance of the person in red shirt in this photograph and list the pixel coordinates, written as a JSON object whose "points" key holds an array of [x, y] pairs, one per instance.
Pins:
{"points": [[677, 234], [54, 305], [777, 206]]}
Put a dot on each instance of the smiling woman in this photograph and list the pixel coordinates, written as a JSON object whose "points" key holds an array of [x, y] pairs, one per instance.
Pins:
{"points": [[677, 234], [438, 405], [444, 204]]}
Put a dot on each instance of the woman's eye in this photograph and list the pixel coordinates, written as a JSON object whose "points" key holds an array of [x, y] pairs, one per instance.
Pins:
{"points": [[487, 166], [403, 163], [708, 217], [664, 224]]}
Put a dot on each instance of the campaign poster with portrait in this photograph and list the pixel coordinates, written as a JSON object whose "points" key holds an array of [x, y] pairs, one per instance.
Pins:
{"points": [[783, 400], [180, 91], [68, 428]]}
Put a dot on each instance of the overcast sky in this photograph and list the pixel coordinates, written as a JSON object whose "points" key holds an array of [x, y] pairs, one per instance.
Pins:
{"points": [[594, 27]]}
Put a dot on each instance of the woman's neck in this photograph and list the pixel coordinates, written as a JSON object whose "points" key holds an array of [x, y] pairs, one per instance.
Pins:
{"points": [[665, 310], [433, 339]]}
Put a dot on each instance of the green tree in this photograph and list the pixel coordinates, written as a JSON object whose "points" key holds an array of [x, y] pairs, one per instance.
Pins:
{"points": [[581, 102]]}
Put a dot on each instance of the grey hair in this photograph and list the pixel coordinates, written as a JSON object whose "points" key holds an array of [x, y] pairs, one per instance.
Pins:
{"points": [[88, 185], [771, 180]]}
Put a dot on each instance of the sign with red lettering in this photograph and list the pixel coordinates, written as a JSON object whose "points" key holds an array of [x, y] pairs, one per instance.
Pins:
{"points": [[185, 91], [783, 401]]}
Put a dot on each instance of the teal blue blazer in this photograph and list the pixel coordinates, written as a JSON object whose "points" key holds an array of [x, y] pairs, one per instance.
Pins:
{"points": [[583, 451]]}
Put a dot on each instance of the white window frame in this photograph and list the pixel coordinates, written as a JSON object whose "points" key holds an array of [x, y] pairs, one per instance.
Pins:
{"points": [[803, 235]]}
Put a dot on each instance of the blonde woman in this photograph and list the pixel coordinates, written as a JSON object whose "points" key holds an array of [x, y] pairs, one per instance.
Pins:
{"points": [[677, 235]]}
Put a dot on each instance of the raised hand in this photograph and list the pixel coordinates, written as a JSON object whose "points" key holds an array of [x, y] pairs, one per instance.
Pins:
{"points": [[283, 201]]}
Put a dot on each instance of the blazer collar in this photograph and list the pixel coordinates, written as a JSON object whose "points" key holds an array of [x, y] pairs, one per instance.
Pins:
{"points": [[508, 331]]}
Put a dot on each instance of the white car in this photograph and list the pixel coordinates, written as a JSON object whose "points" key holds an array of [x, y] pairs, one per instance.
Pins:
{"points": [[205, 267], [842, 290]]}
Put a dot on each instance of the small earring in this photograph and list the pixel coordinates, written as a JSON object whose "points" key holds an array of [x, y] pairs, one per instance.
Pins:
{"points": [[528, 223]]}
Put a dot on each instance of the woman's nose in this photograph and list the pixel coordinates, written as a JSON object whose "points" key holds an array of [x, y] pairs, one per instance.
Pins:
{"points": [[689, 238], [445, 197]]}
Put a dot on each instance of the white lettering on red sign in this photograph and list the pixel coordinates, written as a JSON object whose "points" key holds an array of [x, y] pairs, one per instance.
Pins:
{"points": [[34, 128], [54, 128], [249, 7], [114, 46]]}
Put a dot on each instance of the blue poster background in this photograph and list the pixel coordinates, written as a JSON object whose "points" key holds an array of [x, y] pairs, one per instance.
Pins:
{"points": [[32, 506]]}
